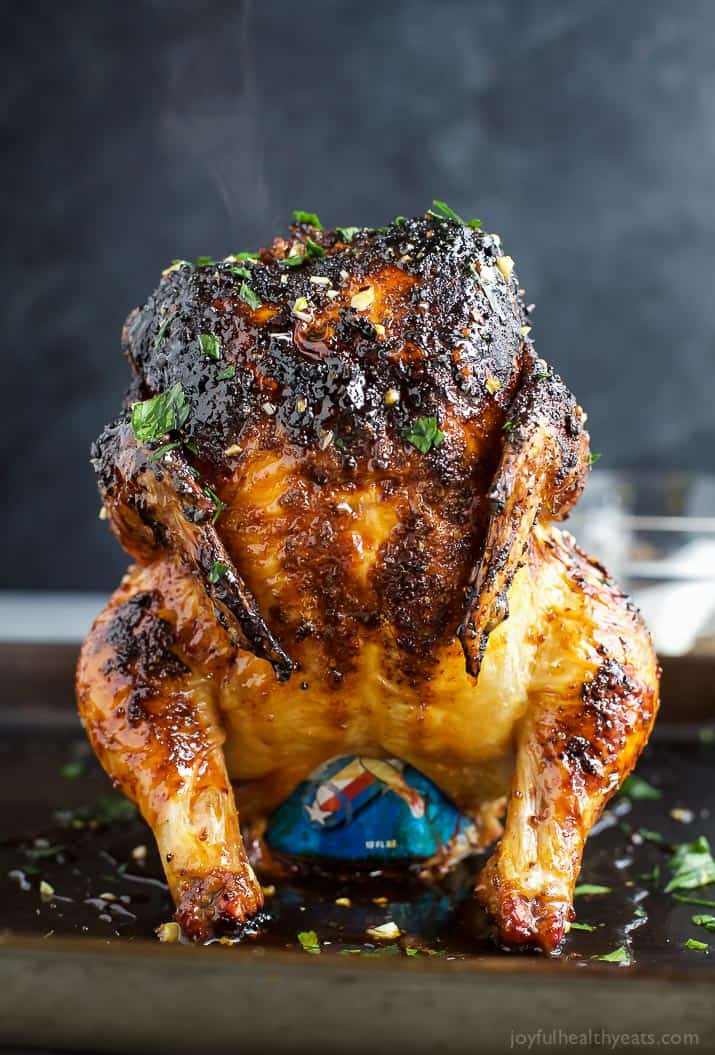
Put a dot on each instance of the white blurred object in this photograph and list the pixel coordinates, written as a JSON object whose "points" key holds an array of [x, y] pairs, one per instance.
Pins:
{"points": [[679, 609], [656, 535], [48, 617]]}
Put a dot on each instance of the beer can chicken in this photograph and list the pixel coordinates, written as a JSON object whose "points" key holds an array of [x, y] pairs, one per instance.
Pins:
{"points": [[338, 472]]}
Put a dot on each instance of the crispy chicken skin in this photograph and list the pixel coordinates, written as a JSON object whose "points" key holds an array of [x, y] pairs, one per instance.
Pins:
{"points": [[346, 545]]}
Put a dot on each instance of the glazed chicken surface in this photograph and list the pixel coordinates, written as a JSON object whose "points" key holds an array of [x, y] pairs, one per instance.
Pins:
{"points": [[337, 471]]}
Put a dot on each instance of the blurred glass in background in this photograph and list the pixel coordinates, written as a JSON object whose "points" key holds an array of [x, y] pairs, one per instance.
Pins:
{"points": [[655, 534]]}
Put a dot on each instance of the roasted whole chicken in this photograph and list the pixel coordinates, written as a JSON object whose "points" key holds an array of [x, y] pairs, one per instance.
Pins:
{"points": [[338, 471]]}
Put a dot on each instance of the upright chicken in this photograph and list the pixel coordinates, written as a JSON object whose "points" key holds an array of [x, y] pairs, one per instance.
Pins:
{"points": [[337, 471]]}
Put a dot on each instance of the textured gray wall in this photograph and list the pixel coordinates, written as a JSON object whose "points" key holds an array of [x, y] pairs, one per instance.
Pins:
{"points": [[583, 131]]}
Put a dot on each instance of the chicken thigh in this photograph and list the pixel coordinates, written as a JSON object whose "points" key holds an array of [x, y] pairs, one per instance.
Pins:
{"points": [[338, 471]]}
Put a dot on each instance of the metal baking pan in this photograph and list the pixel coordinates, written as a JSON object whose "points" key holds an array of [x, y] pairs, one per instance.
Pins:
{"points": [[83, 972]]}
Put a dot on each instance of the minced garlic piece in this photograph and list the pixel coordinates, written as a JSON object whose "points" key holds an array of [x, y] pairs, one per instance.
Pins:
{"points": [[46, 889], [385, 932], [492, 384], [362, 300], [392, 396], [168, 932], [505, 265], [300, 309]]}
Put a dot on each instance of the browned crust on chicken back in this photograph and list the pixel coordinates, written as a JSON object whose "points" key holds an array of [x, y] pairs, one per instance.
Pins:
{"points": [[323, 370]]}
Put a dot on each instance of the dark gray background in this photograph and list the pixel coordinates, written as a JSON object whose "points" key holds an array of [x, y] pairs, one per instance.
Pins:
{"points": [[582, 131]]}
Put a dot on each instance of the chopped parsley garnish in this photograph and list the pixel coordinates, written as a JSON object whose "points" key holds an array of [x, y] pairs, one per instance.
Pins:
{"points": [[72, 770], [696, 946], [706, 921], [634, 787], [227, 374], [441, 211], [157, 455], [583, 926], [508, 425], [619, 955], [347, 233], [309, 941], [692, 866], [294, 260], [654, 877], [218, 504], [311, 252], [160, 334], [210, 345], [204, 261], [591, 888], [240, 272], [312, 249], [218, 570], [153, 418], [40, 853], [245, 256], [593, 457], [398, 220], [424, 434], [300, 216], [686, 899], [247, 294], [649, 836]]}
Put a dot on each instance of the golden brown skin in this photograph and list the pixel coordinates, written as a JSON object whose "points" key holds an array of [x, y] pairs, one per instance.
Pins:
{"points": [[373, 598]]}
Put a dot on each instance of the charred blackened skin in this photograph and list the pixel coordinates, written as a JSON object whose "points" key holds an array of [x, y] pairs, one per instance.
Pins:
{"points": [[308, 367]]}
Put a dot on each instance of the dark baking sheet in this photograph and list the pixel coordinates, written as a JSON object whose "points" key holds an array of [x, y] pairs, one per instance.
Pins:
{"points": [[93, 938]]}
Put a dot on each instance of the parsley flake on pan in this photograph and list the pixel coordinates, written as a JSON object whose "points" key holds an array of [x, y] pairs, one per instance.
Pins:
{"points": [[692, 866], [153, 418], [309, 941], [620, 955], [634, 787], [585, 889]]}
